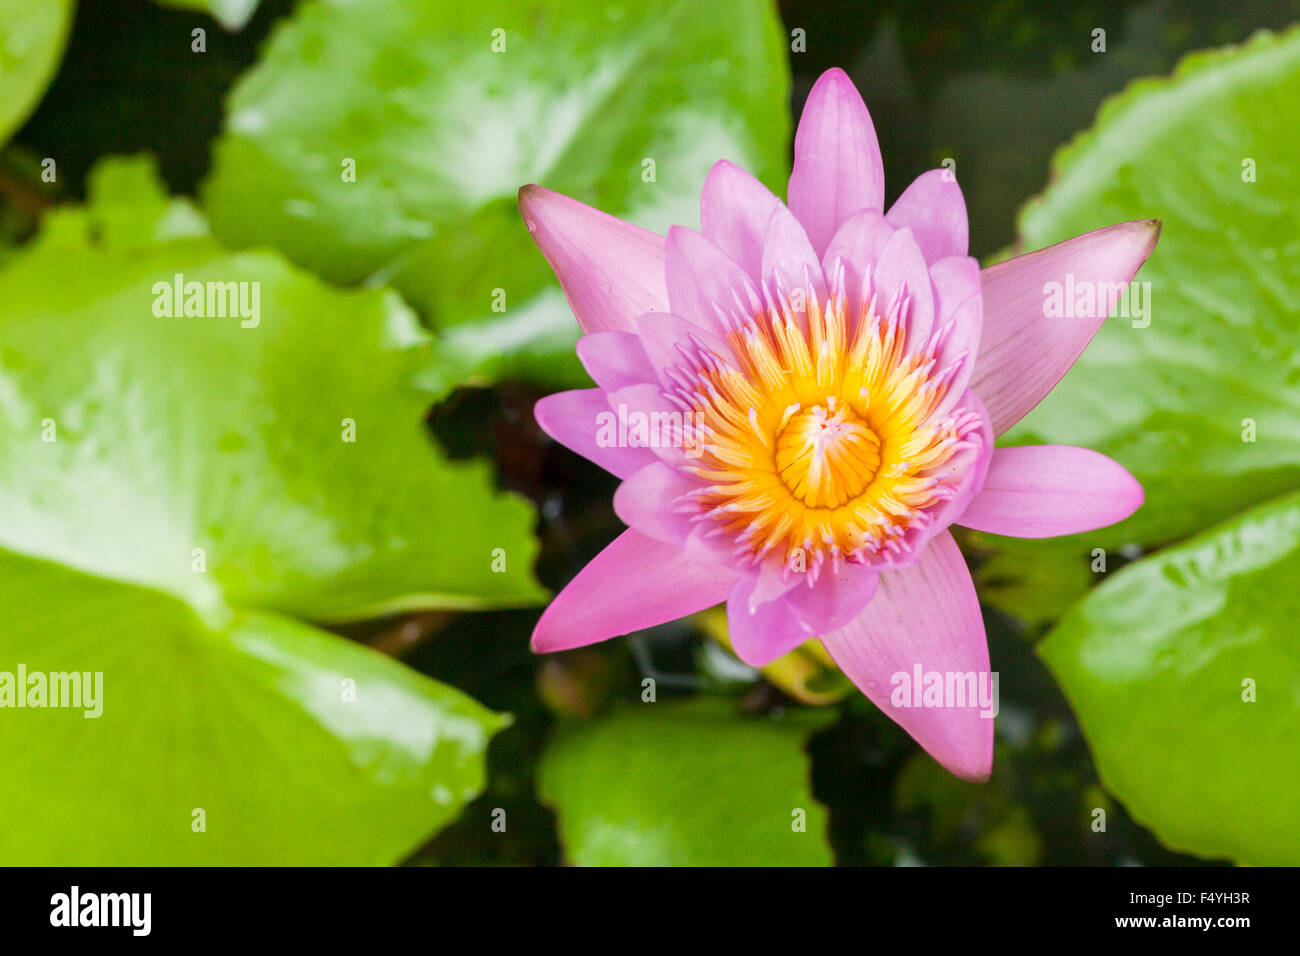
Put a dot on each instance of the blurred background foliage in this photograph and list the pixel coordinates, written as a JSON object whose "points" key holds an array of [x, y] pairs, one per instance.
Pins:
{"points": [[329, 565]]}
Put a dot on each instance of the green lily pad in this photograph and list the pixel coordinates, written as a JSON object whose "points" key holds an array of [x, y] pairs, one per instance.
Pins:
{"points": [[1200, 396], [227, 737], [624, 106], [686, 784], [32, 36], [174, 492], [1184, 671]]}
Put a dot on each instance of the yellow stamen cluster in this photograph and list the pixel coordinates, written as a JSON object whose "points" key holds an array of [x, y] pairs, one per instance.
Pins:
{"points": [[821, 441]]}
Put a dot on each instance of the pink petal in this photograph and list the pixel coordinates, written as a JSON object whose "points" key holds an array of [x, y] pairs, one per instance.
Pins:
{"points": [[1040, 491], [855, 248], [933, 208], [958, 304], [577, 421], [615, 359], [610, 270], [760, 632], [665, 335], [771, 581], [925, 614], [901, 264], [734, 210], [700, 277], [1023, 351], [788, 256], [837, 167], [705, 546], [955, 279], [648, 502], [664, 423], [615, 595], [960, 349]]}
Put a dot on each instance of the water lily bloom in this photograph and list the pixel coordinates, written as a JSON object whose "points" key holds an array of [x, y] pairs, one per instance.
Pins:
{"points": [[802, 397]]}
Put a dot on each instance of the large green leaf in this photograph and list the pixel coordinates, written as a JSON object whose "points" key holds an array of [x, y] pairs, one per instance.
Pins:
{"points": [[1155, 662], [444, 130], [183, 433], [31, 42], [171, 488], [685, 784], [1170, 401], [241, 715]]}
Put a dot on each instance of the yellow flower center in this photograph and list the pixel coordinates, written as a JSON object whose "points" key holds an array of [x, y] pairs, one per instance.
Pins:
{"points": [[827, 455], [819, 442]]}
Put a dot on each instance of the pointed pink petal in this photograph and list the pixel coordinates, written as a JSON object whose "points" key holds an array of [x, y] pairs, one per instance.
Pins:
{"points": [[648, 502], [762, 632], [925, 614], [771, 582], [837, 168], [1040, 491], [665, 426], [960, 349], [955, 279], [933, 208], [1023, 351], [855, 248], [700, 276], [760, 636], [664, 335], [615, 359], [580, 420], [615, 594], [610, 270], [789, 257], [705, 546], [734, 210], [901, 264], [958, 303]]}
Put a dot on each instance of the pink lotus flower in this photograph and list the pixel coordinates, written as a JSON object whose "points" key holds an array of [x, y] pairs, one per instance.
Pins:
{"points": [[831, 378]]}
